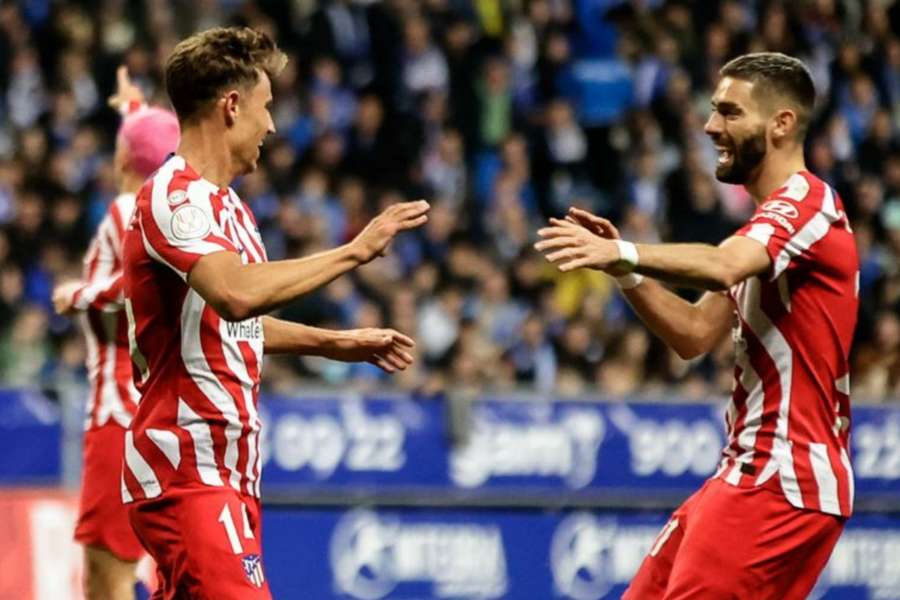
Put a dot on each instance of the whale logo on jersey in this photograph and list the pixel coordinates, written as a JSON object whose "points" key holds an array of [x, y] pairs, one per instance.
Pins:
{"points": [[189, 222]]}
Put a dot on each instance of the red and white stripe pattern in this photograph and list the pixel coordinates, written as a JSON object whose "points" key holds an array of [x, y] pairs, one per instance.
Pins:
{"points": [[100, 301], [790, 412], [198, 374]]}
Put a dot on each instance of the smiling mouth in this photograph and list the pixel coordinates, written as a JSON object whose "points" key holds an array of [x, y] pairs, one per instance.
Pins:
{"points": [[726, 156]]}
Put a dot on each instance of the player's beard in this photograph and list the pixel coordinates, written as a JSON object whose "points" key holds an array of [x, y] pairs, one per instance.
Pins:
{"points": [[746, 157]]}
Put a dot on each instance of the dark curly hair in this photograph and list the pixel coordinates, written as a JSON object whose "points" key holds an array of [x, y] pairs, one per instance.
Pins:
{"points": [[774, 74]]}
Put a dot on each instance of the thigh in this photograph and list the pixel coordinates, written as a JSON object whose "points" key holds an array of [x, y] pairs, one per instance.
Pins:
{"points": [[206, 545], [797, 550], [751, 544], [719, 544], [102, 517], [652, 577]]}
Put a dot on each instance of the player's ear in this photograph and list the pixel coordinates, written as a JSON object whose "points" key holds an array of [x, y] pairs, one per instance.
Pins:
{"points": [[230, 108], [784, 124]]}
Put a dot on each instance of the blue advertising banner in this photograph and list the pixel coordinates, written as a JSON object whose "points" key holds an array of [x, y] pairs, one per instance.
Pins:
{"points": [[423, 554], [535, 453], [30, 438], [658, 452]]}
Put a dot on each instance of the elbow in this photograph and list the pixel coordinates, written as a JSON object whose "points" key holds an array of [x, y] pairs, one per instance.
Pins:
{"points": [[730, 268], [689, 350], [234, 306], [695, 342], [723, 278]]}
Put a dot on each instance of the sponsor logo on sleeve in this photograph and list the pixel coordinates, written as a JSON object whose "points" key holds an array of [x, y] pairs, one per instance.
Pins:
{"points": [[785, 209], [780, 211], [177, 197], [189, 222]]}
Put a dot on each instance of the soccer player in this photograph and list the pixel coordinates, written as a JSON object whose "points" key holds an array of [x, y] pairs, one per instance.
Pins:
{"points": [[765, 524], [197, 285], [147, 135]]}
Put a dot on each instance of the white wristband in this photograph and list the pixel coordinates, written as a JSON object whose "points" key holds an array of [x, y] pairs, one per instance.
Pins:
{"points": [[628, 253], [631, 280], [628, 257]]}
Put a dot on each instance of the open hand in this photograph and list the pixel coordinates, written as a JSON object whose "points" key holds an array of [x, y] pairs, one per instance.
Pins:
{"points": [[374, 239], [571, 246], [384, 348], [596, 225], [126, 91]]}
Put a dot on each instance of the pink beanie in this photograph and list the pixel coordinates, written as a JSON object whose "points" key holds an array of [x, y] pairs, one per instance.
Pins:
{"points": [[150, 134]]}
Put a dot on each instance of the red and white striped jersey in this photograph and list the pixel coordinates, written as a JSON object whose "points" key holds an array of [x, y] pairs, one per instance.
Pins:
{"points": [[100, 302], [790, 412], [197, 424]]}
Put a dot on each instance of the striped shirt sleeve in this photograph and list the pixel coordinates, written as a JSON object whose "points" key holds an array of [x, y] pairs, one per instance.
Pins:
{"points": [[179, 225], [102, 282], [790, 222]]}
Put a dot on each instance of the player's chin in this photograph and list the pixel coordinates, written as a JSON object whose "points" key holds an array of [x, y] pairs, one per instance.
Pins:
{"points": [[250, 166], [728, 174]]}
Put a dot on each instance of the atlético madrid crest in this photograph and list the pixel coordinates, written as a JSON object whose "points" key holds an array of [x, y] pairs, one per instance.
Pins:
{"points": [[253, 569]]}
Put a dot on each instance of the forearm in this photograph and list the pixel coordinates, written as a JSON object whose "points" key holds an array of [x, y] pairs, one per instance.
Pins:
{"points": [[101, 293], [258, 288], [671, 318], [105, 294], [286, 337], [693, 265], [689, 329], [277, 283]]}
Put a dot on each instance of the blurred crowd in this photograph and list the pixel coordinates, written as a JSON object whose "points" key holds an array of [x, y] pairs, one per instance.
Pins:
{"points": [[502, 113]]}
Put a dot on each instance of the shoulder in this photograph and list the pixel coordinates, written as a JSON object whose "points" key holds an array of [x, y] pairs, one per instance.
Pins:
{"points": [[798, 188], [174, 186], [169, 185], [804, 194]]}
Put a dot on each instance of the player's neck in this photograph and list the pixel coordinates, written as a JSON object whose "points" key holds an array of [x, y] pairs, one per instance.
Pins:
{"points": [[131, 183], [775, 170], [204, 151]]}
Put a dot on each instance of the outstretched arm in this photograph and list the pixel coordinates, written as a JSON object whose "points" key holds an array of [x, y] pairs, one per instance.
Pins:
{"points": [[128, 97], [689, 329], [238, 291], [704, 266], [385, 348], [570, 245], [102, 289]]}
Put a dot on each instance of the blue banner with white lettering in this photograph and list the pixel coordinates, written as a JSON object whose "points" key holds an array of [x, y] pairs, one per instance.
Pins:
{"points": [[411, 554], [605, 452], [642, 453]]}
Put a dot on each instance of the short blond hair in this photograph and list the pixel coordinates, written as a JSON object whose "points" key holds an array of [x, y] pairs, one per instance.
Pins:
{"points": [[204, 65]]}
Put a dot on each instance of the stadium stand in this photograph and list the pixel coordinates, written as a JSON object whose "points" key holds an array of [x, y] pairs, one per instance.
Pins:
{"points": [[502, 113]]}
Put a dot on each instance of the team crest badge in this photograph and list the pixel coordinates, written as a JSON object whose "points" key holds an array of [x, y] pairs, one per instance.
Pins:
{"points": [[253, 569]]}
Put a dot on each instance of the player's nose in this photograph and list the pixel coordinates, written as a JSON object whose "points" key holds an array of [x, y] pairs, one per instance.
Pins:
{"points": [[713, 124]]}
